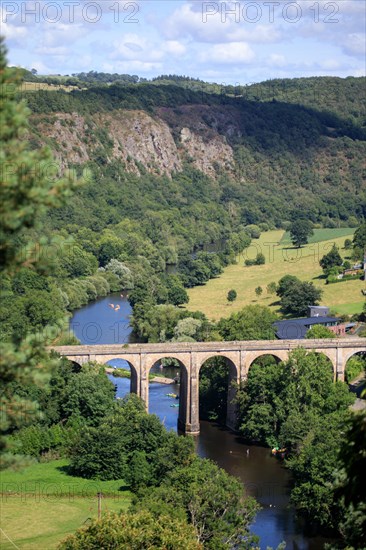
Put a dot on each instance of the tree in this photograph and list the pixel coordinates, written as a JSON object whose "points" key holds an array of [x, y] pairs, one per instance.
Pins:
{"points": [[272, 288], [105, 451], [187, 330], [231, 296], [332, 259], [296, 295], [296, 404], [285, 283], [213, 389], [177, 294], [359, 238], [260, 259], [351, 485], [76, 262], [253, 322], [359, 243], [110, 248], [158, 322], [211, 500], [125, 278], [138, 530], [320, 331], [347, 244], [85, 395], [28, 189], [258, 291], [300, 231]]}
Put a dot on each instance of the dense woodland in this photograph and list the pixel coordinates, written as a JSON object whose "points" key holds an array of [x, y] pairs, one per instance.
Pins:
{"points": [[65, 242], [299, 153]]}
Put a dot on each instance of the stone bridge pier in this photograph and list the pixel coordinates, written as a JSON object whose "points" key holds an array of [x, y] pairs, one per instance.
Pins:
{"points": [[193, 355]]}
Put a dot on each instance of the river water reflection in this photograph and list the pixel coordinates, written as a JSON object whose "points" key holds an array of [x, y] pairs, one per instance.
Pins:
{"points": [[264, 477]]}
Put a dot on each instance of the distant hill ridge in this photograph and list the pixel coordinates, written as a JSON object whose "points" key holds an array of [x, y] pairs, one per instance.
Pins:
{"points": [[271, 147]]}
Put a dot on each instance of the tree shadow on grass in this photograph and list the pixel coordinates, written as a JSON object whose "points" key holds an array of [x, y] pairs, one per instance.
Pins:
{"points": [[321, 277], [275, 304], [66, 469]]}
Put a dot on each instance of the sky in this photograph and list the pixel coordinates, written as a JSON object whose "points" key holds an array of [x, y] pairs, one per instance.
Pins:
{"points": [[224, 42]]}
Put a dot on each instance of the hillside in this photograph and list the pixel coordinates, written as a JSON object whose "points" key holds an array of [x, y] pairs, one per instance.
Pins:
{"points": [[281, 146], [174, 175], [281, 259]]}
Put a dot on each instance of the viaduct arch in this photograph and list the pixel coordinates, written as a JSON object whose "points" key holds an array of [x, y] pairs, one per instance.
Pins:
{"points": [[192, 355]]}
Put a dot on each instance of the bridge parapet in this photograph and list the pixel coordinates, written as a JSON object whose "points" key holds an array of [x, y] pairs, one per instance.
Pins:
{"points": [[166, 347]]}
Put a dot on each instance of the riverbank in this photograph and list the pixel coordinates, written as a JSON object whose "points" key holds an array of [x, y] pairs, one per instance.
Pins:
{"points": [[122, 373]]}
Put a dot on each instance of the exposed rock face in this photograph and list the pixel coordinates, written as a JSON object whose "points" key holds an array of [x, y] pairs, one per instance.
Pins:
{"points": [[160, 143], [144, 139]]}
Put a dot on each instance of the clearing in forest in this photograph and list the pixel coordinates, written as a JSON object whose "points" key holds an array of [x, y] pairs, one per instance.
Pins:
{"points": [[281, 259]]}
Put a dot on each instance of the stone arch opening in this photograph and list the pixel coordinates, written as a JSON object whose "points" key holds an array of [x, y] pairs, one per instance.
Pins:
{"points": [[266, 358], [167, 390], [355, 371], [218, 379], [76, 367], [124, 375]]}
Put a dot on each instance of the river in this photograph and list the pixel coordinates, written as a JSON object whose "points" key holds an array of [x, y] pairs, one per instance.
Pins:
{"points": [[264, 476]]}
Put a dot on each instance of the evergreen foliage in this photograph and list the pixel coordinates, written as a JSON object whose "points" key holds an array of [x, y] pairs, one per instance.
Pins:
{"points": [[332, 259], [28, 188]]}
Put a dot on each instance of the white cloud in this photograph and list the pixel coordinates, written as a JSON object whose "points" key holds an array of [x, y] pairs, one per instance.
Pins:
{"points": [[136, 48], [330, 64], [354, 44], [228, 53], [277, 60], [174, 47], [11, 32], [132, 67], [212, 22]]}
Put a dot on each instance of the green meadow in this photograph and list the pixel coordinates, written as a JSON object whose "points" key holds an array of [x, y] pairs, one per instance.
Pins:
{"points": [[323, 234], [42, 504], [281, 259]]}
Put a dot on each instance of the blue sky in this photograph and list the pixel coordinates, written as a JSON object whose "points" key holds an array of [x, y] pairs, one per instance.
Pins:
{"points": [[224, 42]]}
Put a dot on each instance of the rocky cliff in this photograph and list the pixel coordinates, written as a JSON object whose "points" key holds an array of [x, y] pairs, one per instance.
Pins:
{"points": [[158, 143]]}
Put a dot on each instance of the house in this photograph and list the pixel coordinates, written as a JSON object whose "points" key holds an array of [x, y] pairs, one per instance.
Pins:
{"points": [[293, 329], [353, 271]]}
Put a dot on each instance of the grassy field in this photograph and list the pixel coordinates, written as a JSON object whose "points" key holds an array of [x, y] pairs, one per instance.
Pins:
{"points": [[322, 235], [36, 86], [42, 504], [281, 259]]}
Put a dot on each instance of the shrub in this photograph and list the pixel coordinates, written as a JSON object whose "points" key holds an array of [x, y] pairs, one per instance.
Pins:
{"points": [[141, 529], [355, 365], [259, 260], [36, 440]]}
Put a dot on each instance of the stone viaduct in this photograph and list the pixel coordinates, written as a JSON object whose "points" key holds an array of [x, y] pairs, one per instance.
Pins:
{"points": [[191, 356]]}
